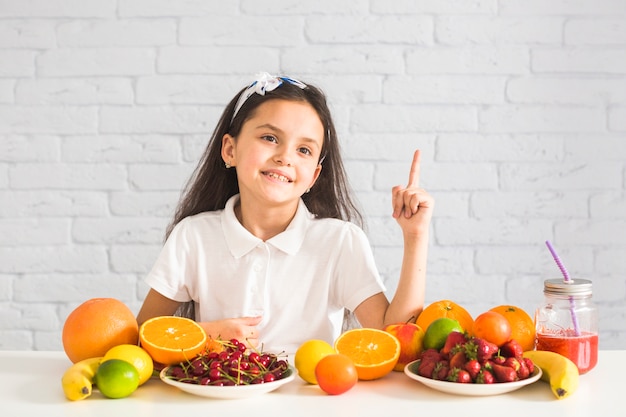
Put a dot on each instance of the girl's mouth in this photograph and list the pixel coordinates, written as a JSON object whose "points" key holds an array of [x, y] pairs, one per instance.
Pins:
{"points": [[277, 176]]}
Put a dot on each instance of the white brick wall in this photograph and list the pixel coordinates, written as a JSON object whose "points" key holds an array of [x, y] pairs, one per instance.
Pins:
{"points": [[519, 107]]}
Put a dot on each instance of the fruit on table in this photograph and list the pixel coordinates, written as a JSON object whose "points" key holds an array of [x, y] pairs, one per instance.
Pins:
{"points": [[96, 326], [438, 331], [308, 355], [136, 356], [466, 359], [77, 381], [232, 365], [171, 339], [493, 327], [522, 325], [453, 340], [445, 308], [374, 352], [336, 374], [116, 378], [512, 348], [559, 371], [411, 338]]}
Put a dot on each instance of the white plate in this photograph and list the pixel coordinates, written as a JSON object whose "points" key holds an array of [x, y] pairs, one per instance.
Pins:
{"points": [[228, 392], [470, 389]]}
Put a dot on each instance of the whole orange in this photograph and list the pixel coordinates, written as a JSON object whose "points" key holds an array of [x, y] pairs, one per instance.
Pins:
{"points": [[96, 326], [445, 308], [336, 374], [522, 325], [493, 327]]}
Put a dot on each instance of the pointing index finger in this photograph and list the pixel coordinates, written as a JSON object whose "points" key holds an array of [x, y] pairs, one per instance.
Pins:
{"points": [[414, 175]]}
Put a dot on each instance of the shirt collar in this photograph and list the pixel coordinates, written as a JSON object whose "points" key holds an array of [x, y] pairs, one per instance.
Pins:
{"points": [[240, 241]]}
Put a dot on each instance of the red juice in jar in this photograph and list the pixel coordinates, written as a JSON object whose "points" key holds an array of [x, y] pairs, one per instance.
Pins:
{"points": [[567, 322], [582, 350]]}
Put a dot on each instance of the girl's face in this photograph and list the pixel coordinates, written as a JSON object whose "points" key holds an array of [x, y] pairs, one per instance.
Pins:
{"points": [[277, 151]]}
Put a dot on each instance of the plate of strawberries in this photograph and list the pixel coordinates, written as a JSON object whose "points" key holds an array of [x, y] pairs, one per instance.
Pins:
{"points": [[473, 366]]}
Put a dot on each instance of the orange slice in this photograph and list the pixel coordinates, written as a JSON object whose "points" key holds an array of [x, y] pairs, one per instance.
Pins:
{"points": [[170, 340], [374, 352]]}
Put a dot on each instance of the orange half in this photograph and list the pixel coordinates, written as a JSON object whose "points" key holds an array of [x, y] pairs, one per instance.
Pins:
{"points": [[374, 352], [170, 339]]}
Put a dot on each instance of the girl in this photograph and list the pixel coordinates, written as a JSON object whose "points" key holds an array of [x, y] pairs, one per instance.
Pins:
{"points": [[266, 241]]}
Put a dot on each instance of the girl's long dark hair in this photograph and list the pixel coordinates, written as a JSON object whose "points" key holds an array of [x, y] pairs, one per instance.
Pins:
{"points": [[212, 184]]}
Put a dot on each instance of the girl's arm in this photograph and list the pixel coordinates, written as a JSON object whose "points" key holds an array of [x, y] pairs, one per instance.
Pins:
{"points": [[412, 209], [155, 305]]}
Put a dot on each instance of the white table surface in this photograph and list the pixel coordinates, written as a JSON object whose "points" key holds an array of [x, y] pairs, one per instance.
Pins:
{"points": [[30, 384]]}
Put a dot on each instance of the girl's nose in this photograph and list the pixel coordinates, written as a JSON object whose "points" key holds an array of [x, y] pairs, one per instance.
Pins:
{"points": [[283, 158], [282, 162]]}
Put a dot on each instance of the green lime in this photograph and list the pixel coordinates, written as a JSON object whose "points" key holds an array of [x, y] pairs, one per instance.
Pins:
{"points": [[135, 355], [438, 331], [116, 378]]}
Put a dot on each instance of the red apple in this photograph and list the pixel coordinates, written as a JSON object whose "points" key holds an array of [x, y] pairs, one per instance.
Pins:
{"points": [[411, 338]]}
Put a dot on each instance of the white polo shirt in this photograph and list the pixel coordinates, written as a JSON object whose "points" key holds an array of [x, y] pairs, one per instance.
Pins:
{"points": [[299, 281]]}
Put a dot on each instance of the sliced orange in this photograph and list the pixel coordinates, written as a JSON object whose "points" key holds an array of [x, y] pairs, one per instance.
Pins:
{"points": [[374, 352], [171, 339], [445, 308]]}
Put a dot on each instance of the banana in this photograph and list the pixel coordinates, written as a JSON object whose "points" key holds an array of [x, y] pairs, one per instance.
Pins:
{"points": [[77, 381], [559, 371]]}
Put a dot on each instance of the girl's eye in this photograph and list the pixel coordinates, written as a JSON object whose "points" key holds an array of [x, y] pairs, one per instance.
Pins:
{"points": [[305, 151], [269, 138]]}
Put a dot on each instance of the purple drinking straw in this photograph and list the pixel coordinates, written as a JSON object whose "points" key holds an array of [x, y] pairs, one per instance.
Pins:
{"points": [[566, 279]]}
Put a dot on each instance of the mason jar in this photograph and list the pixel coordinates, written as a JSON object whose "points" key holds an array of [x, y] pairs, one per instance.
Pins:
{"points": [[567, 322]]}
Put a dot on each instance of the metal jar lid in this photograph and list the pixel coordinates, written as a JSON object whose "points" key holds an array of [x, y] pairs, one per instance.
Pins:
{"points": [[579, 287]]}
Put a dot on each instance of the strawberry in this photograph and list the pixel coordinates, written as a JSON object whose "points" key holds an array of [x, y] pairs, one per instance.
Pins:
{"points": [[473, 368], [498, 359], [453, 342], [512, 348], [522, 372], [480, 349], [428, 360], [459, 375], [504, 373], [458, 360], [430, 355], [485, 377], [426, 368], [512, 363], [441, 370], [530, 365]]}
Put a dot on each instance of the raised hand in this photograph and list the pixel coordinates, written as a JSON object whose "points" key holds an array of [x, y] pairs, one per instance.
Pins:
{"points": [[412, 206]]}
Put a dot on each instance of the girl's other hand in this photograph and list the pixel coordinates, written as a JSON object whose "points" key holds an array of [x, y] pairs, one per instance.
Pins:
{"points": [[243, 329], [412, 206]]}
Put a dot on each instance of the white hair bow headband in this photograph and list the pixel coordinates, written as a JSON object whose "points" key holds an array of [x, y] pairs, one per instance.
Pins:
{"points": [[263, 82]]}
